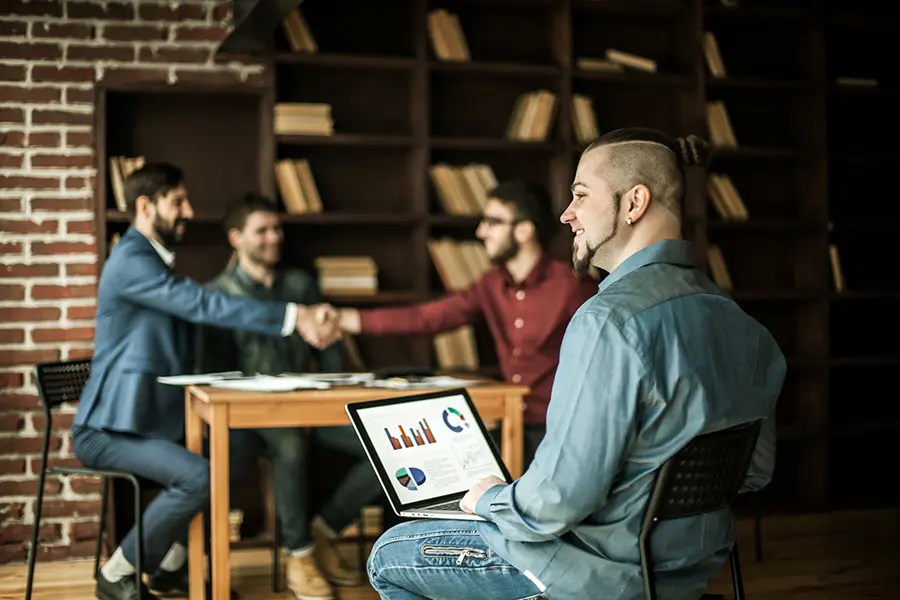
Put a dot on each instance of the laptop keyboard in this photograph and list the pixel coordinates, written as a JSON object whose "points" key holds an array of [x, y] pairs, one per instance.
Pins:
{"points": [[452, 505]]}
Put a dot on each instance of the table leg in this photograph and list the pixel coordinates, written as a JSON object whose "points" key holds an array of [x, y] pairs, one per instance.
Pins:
{"points": [[513, 435], [220, 501], [193, 428]]}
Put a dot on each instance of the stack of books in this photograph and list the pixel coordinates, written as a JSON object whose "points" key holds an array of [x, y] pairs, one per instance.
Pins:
{"points": [[584, 119], [532, 116], [303, 118], [347, 275], [297, 186], [120, 167], [462, 190], [298, 34]]}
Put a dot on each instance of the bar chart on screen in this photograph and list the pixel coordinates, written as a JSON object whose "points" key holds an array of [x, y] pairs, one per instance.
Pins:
{"points": [[416, 436]]}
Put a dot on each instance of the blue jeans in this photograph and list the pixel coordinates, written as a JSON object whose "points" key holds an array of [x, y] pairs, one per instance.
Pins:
{"points": [[443, 560]]}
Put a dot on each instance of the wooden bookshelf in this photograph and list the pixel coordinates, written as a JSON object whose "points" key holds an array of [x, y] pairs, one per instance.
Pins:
{"points": [[398, 108]]}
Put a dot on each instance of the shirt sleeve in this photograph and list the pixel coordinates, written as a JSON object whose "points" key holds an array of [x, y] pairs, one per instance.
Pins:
{"points": [[451, 311], [290, 319], [591, 421], [762, 463]]}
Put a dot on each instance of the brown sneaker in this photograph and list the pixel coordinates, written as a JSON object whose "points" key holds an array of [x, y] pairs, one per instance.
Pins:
{"points": [[333, 566], [305, 579]]}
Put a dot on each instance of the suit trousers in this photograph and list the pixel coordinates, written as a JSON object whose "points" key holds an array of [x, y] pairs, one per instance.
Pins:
{"points": [[183, 475]]}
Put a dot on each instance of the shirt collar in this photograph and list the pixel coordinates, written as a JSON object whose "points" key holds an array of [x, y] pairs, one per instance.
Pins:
{"points": [[247, 281], [533, 278], [167, 256], [676, 252]]}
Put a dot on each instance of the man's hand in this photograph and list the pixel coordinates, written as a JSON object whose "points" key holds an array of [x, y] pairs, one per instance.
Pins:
{"points": [[318, 325], [467, 504]]}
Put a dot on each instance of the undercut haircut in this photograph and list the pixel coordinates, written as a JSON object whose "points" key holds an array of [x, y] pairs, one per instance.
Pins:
{"points": [[530, 202], [642, 155], [153, 180], [239, 209]]}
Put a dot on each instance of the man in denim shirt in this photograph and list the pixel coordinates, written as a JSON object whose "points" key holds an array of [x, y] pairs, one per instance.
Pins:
{"points": [[659, 356], [254, 230]]}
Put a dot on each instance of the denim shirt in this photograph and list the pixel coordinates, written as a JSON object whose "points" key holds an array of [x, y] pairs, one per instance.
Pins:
{"points": [[226, 350], [657, 357]]}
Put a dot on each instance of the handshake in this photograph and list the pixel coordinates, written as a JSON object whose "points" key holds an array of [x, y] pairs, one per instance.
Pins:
{"points": [[321, 325]]}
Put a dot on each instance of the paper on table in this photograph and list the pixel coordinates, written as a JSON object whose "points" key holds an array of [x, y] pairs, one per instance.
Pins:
{"points": [[440, 381], [199, 378], [337, 378], [271, 383]]}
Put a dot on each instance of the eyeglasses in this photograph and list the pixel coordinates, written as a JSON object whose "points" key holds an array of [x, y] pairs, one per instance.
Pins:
{"points": [[491, 221]]}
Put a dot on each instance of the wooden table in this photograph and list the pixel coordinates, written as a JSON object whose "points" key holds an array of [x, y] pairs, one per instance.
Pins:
{"points": [[223, 409]]}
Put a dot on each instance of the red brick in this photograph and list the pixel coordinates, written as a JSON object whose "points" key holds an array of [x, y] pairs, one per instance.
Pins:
{"points": [[11, 336], [12, 292], [33, 8], [12, 139], [80, 227], [12, 511], [134, 33], [62, 30], [29, 488], [78, 313], [29, 51], [12, 466], [11, 422], [76, 334], [19, 402], [213, 77], [16, 358], [29, 271], [22, 314], [8, 248], [60, 422], [27, 226], [134, 75], [49, 532], [184, 12], [9, 93], [12, 73], [82, 532], [51, 554], [77, 139], [12, 182], [11, 161], [10, 205], [60, 117], [94, 53], [99, 10], [221, 12], [79, 183], [12, 115], [13, 28], [200, 34], [79, 353], [62, 74], [63, 248], [53, 292], [55, 509], [174, 55], [62, 161], [65, 204], [11, 380], [26, 445], [85, 485], [43, 139]]}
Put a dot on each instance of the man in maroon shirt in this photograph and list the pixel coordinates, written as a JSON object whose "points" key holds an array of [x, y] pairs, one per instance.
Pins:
{"points": [[527, 299]]}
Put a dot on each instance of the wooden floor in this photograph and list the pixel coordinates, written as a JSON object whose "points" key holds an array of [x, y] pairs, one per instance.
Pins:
{"points": [[834, 556]]}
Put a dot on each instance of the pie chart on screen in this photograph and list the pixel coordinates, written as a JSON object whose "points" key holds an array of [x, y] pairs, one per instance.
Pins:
{"points": [[410, 478], [454, 420]]}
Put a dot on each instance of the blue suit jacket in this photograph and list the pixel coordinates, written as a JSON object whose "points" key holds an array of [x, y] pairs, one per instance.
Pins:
{"points": [[144, 329]]}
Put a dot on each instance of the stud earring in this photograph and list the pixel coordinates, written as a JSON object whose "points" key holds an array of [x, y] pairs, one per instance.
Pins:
{"points": [[628, 220]]}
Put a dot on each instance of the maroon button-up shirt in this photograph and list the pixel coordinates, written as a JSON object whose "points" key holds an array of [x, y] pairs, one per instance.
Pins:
{"points": [[527, 319]]}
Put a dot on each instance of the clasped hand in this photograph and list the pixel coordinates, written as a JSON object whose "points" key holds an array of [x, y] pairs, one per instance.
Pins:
{"points": [[319, 325]]}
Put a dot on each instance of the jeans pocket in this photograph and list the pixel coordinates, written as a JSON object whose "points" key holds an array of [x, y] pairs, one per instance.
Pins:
{"points": [[457, 552]]}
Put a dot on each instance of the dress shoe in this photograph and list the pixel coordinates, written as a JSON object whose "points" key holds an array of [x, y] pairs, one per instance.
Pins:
{"points": [[123, 589], [174, 584]]}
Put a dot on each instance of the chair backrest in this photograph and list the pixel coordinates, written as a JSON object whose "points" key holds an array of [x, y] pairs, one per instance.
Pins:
{"points": [[704, 476], [60, 382]]}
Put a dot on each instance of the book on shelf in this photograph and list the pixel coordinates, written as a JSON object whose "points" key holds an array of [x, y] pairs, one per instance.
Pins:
{"points": [[713, 55], [347, 275], [532, 116], [447, 37], [456, 349], [725, 198], [462, 190], [856, 82], [297, 186], [120, 167], [632, 61], [298, 34], [718, 268], [584, 119], [303, 118], [837, 273], [587, 63], [719, 124]]}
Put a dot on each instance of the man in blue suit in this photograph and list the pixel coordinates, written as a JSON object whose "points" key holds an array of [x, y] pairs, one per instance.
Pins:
{"points": [[145, 329]]}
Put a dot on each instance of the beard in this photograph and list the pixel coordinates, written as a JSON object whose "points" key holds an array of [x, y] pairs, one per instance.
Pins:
{"points": [[168, 234], [581, 264], [506, 252], [262, 258]]}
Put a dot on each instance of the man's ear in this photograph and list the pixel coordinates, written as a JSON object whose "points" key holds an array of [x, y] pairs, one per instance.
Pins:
{"points": [[234, 237], [639, 202], [524, 231], [141, 204]]}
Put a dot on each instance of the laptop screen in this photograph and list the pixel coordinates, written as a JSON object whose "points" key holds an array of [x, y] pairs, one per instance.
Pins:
{"points": [[430, 447]]}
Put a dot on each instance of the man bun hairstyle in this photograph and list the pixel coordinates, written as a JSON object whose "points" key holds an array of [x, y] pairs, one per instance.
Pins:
{"points": [[693, 151]]}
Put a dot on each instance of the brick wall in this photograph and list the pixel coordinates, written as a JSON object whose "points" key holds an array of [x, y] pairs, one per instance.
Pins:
{"points": [[51, 53]]}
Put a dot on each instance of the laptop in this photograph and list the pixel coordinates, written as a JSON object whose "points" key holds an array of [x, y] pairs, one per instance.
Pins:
{"points": [[427, 450]]}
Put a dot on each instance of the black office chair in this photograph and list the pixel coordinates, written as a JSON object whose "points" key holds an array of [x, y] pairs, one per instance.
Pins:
{"points": [[58, 383], [704, 476]]}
